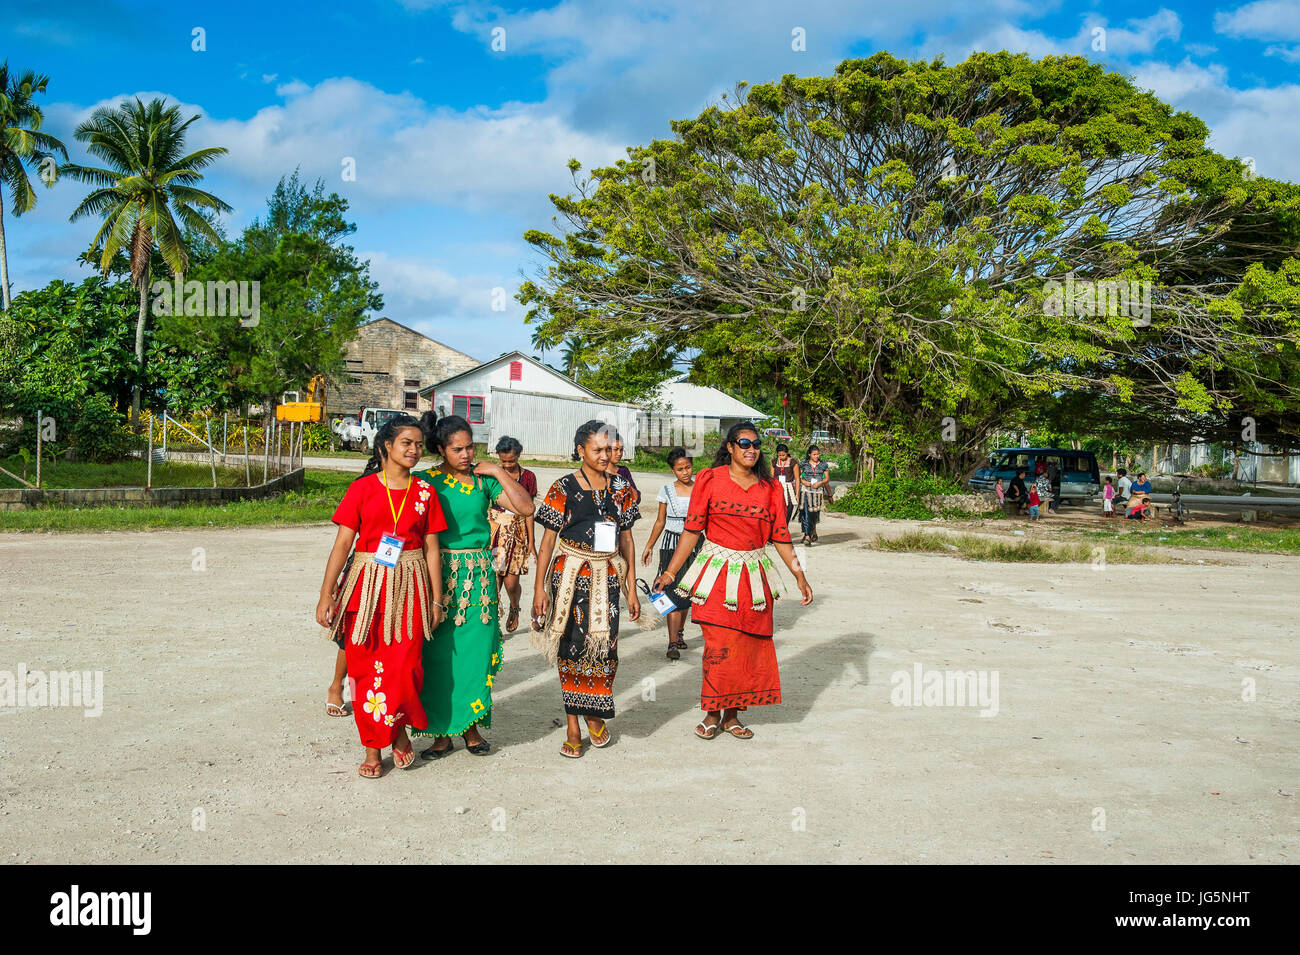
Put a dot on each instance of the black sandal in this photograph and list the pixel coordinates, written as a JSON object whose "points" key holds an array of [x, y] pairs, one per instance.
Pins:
{"points": [[673, 652], [432, 753], [478, 749]]}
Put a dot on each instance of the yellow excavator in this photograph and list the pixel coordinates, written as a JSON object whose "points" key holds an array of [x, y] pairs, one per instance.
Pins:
{"points": [[313, 409]]}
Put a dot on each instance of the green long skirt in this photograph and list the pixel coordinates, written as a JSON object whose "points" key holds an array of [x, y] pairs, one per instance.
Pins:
{"points": [[462, 659]]}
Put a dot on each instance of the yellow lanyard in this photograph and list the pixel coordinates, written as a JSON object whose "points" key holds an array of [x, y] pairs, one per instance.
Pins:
{"points": [[397, 515]]}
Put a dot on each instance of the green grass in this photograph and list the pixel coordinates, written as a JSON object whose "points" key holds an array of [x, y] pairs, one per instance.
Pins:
{"points": [[1257, 540], [322, 490], [973, 547], [66, 474]]}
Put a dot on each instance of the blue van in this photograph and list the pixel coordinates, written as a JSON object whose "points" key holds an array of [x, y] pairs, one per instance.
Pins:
{"points": [[1080, 477]]}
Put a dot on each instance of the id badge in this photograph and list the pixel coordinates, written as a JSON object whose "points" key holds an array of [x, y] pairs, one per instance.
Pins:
{"points": [[606, 534], [389, 549], [663, 603]]}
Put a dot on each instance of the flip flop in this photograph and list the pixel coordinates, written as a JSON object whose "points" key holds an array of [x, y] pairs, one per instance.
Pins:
{"points": [[710, 730], [571, 750], [604, 736], [403, 760], [739, 731], [330, 707], [378, 766]]}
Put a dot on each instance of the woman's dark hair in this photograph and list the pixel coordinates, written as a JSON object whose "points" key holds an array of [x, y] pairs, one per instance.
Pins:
{"points": [[783, 447], [585, 432], [383, 437], [811, 449], [676, 454], [723, 457], [438, 431], [508, 444]]}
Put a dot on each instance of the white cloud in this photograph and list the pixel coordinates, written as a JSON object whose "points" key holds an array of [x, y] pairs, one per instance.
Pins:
{"points": [[1289, 53], [1258, 123], [1261, 20], [269, 77]]}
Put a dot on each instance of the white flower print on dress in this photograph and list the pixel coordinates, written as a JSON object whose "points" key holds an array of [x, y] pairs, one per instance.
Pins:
{"points": [[375, 704]]}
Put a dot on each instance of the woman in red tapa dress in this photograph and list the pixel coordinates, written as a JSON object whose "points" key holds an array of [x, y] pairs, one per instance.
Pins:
{"points": [[385, 606], [738, 508]]}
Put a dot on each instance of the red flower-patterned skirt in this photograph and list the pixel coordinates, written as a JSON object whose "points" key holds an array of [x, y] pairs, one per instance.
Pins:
{"points": [[388, 678]]}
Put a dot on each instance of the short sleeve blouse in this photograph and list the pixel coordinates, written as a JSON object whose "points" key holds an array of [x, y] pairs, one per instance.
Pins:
{"points": [[736, 517], [572, 510]]}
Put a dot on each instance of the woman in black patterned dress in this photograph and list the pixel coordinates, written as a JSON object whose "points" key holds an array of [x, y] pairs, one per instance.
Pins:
{"points": [[588, 517]]}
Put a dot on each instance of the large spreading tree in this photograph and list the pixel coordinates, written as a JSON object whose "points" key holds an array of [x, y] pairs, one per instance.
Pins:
{"points": [[879, 243]]}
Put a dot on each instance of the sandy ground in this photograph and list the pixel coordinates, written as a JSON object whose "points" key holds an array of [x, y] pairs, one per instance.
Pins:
{"points": [[1121, 732]]}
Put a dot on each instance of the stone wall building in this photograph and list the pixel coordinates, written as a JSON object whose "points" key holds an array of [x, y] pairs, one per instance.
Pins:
{"points": [[386, 366]]}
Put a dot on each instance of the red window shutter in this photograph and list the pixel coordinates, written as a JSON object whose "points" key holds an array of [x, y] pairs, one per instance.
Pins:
{"points": [[516, 371]]}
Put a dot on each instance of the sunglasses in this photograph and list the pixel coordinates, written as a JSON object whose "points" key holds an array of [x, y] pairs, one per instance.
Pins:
{"points": [[746, 443]]}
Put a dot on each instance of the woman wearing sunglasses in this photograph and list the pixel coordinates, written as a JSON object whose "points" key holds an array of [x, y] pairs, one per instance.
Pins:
{"points": [[738, 509]]}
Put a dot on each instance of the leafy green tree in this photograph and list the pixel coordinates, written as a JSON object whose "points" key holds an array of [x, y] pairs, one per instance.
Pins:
{"points": [[21, 144], [149, 182], [314, 295], [878, 243]]}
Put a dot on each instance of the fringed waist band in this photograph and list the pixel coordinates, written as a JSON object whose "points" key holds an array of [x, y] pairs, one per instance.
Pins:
{"points": [[599, 613], [404, 590], [702, 576], [460, 567]]}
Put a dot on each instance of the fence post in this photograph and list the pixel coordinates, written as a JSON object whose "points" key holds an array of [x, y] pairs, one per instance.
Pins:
{"points": [[212, 454], [266, 433], [148, 468], [38, 448], [164, 434], [225, 431], [248, 480]]}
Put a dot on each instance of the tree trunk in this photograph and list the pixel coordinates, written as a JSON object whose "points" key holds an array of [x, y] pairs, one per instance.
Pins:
{"points": [[139, 349], [4, 257]]}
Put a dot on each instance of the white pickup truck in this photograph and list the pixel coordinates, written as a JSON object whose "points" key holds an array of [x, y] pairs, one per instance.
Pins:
{"points": [[358, 434]]}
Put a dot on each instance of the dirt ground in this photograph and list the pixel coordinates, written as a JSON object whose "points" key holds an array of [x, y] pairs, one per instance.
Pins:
{"points": [[1144, 714]]}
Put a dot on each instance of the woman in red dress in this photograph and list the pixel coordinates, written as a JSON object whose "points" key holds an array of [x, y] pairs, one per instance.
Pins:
{"points": [[384, 608], [738, 508]]}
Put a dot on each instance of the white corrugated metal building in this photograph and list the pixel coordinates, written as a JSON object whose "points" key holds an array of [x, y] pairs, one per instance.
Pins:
{"points": [[544, 424], [681, 410]]}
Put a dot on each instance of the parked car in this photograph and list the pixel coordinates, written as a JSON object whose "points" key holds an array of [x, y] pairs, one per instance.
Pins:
{"points": [[780, 434], [1080, 476], [821, 437]]}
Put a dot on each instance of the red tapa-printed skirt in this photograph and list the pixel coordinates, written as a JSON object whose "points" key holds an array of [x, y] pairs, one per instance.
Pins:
{"points": [[739, 667], [388, 680]]}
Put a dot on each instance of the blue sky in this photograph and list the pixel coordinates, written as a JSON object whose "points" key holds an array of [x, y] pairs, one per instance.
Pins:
{"points": [[457, 144]]}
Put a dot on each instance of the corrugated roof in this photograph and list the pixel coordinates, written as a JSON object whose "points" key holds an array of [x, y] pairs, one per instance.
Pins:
{"points": [[700, 401]]}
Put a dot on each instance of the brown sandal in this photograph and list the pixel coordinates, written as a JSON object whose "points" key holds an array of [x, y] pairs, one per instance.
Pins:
{"points": [[512, 619]]}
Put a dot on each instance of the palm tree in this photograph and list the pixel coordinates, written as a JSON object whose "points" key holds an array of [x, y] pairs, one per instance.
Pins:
{"points": [[540, 342], [572, 357], [147, 179], [21, 143]]}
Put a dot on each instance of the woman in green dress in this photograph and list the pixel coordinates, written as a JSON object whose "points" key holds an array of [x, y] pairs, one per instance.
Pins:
{"points": [[462, 659]]}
